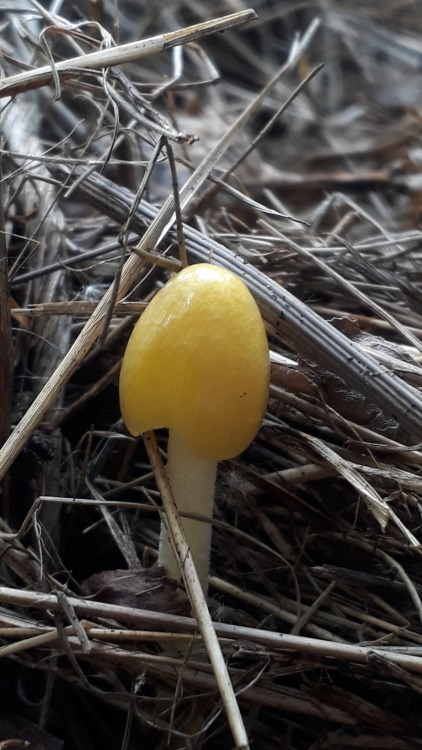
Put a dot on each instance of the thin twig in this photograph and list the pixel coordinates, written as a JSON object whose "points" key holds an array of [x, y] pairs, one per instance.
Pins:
{"points": [[68, 69], [196, 595]]}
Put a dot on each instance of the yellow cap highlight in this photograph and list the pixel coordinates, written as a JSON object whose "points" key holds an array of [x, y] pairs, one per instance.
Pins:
{"points": [[197, 362]]}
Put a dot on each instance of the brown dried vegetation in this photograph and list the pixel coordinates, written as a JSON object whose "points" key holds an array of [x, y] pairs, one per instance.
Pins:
{"points": [[239, 149]]}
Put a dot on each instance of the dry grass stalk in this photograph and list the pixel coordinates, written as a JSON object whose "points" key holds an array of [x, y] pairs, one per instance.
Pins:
{"points": [[309, 188], [105, 58]]}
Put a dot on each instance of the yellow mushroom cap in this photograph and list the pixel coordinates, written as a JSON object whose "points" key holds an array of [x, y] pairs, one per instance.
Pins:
{"points": [[197, 362]]}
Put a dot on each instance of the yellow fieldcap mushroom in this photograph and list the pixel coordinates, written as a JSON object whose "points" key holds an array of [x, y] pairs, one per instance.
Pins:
{"points": [[197, 363]]}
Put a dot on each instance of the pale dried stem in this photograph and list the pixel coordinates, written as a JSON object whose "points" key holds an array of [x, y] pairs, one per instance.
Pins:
{"points": [[266, 639], [124, 53], [196, 595]]}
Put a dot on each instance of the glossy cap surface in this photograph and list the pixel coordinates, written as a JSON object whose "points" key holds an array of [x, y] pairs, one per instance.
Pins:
{"points": [[197, 362]]}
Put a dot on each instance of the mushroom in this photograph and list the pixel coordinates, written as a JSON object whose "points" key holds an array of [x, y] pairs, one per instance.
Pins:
{"points": [[197, 363]]}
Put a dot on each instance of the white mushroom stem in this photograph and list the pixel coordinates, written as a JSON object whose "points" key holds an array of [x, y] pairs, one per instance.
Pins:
{"points": [[192, 481]]}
